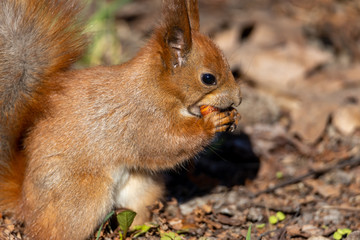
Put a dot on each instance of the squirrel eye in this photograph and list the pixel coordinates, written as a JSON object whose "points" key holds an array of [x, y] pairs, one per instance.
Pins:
{"points": [[208, 79]]}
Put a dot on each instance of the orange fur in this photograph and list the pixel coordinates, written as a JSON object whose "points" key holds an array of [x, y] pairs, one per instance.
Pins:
{"points": [[11, 180], [99, 136], [38, 39]]}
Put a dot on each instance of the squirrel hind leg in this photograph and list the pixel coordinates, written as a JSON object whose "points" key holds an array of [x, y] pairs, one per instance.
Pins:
{"points": [[71, 208], [140, 191]]}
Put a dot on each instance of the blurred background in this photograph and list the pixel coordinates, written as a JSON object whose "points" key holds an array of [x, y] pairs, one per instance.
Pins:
{"points": [[298, 61]]}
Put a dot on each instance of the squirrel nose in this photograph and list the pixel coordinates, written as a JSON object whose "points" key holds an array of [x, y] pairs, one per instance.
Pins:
{"points": [[240, 101], [237, 101]]}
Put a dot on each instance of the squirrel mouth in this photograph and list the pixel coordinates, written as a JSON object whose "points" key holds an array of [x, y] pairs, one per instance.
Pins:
{"points": [[194, 110]]}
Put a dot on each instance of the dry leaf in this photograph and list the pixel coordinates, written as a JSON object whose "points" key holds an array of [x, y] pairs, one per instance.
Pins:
{"points": [[176, 223], [323, 189], [347, 119], [293, 230], [228, 221], [212, 224], [310, 119], [207, 208], [311, 230]]}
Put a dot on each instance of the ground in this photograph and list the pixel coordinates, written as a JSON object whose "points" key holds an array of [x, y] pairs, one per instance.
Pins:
{"points": [[297, 148]]}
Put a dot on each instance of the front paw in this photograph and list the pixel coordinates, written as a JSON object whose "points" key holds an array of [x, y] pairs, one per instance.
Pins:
{"points": [[223, 121]]}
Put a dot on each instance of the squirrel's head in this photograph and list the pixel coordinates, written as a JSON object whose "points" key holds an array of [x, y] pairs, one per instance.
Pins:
{"points": [[195, 70]]}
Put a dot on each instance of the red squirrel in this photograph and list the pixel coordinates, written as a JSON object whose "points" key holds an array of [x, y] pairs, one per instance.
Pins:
{"points": [[77, 143]]}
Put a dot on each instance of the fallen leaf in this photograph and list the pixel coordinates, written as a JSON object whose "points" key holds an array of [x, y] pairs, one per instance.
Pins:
{"points": [[347, 119], [323, 189], [318, 238], [207, 208], [228, 220], [310, 119], [176, 223], [212, 224], [311, 230]]}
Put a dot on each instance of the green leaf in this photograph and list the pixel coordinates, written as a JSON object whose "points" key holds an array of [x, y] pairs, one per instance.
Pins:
{"points": [[280, 216], [260, 226], [279, 175], [337, 236], [346, 231], [248, 235], [141, 229], [125, 219], [273, 220], [106, 218], [169, 236]]}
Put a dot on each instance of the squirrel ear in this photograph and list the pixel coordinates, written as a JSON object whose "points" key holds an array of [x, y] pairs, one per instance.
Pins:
{"points": [[177, 30], [193, 12]]}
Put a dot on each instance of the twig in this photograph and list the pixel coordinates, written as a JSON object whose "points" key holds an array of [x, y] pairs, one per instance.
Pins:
{"points": [[350, 209], [284, 209], [350, 162], [267, 233]]}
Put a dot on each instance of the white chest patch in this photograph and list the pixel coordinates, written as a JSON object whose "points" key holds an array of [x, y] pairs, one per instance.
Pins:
{"points": [[185, 112], [121, 177]]}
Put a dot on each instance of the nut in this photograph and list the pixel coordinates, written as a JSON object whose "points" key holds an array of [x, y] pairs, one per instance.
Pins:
{"points": [[206, 109]]}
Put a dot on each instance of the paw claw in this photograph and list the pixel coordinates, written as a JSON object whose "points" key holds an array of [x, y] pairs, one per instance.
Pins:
{"points": [[223, 121]]}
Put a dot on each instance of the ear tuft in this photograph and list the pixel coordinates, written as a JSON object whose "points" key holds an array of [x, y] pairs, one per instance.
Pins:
{"points": [[177, 31], [193, 13]]}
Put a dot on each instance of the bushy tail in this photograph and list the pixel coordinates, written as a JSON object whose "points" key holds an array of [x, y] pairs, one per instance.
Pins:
{"points": [[38, 39], [11, 178]]}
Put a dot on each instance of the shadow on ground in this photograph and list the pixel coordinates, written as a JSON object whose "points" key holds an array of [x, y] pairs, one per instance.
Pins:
{"points": [[228, 161]]}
